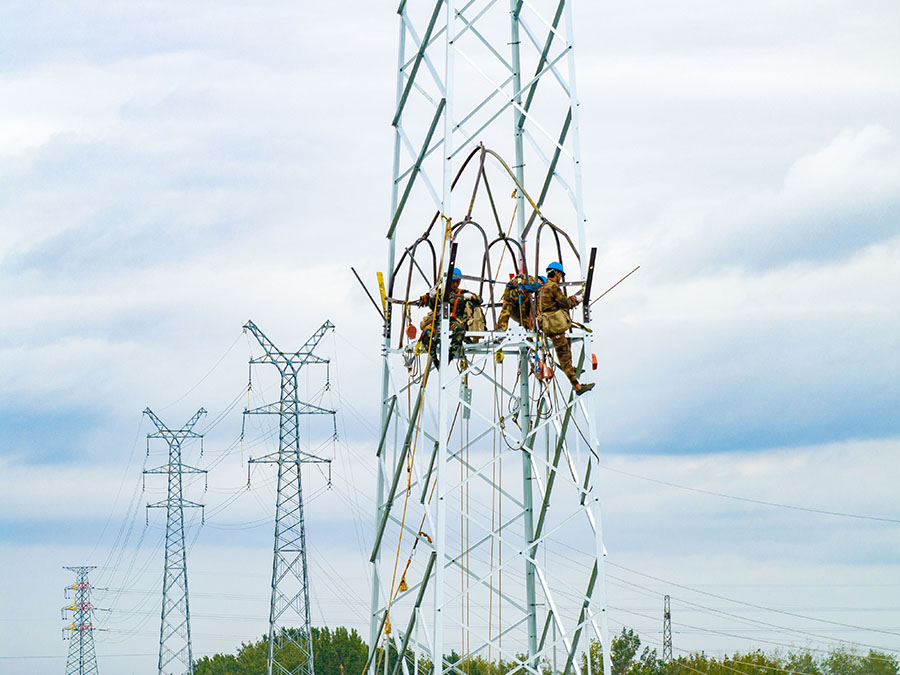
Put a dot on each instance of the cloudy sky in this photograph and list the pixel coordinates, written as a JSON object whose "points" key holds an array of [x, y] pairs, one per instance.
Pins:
{"points": [[169, 170]]}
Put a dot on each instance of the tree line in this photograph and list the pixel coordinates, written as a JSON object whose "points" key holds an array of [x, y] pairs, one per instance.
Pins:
{"points": [[343, 652]]}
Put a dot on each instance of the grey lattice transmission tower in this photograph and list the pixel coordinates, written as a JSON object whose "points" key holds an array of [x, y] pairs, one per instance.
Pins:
{"points": [[175, 654], [82, 659], [290, 579], [667, 632]]}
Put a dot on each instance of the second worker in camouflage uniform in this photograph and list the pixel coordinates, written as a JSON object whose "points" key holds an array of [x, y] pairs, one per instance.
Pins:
{"points": [[465, 315], [551, 299]]}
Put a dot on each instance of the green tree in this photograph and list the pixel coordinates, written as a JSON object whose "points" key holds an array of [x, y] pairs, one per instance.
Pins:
{"points": [[622, 655], [338, 652]]}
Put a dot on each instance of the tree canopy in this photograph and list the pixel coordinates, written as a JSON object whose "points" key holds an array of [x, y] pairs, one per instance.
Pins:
{"points": [[343, 652]]}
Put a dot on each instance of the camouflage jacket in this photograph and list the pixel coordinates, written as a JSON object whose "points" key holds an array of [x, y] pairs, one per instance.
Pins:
{"points": [[464, 305], [553, 298]]}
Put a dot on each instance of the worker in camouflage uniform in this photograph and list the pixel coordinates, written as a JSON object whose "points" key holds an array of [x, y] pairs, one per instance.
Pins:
{"points": [[552, 299], [465, 315], [517, 301]]}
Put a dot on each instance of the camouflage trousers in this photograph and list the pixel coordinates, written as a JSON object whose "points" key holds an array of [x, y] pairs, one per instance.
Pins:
{"points": [[457, 336], [563, 347], [514, 310]]}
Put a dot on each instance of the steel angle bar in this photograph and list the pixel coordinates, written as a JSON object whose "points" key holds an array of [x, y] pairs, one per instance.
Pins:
{"points": [[502, 109], [474, 111], [556, 74], [402, 389], [454, 562], [460, 15], [541, 73], [427, 59], [412, 177], [401, 461], [470, 25], [483, 581], [547, 536], [551, 170], [544, 630], [434, 36], [532, 433], [401, 652], [555, 175], [581, 619], [545, 51], [540, 17], [481, 472], [594, 625], [476, 439], [548, 597], [553, 467], [433, 100], [495, 642], [476, 473], [387, 423], [406, 527], [584, 487], [373, 648], [551, 478], [427, 480], [423, 44]]}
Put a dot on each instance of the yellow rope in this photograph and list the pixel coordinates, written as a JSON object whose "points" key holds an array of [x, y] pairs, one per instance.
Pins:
{"points": [[395, 590]]}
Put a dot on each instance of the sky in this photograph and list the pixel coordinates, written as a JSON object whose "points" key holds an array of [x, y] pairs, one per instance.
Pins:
{"points": [[170, 170]]}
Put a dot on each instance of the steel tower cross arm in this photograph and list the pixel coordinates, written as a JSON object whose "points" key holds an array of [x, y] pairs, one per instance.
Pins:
{"points": [[276, 409], [164, 432], [299, 358]]}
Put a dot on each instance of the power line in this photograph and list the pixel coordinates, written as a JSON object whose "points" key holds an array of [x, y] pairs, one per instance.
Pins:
{"points": [[753, 501]]}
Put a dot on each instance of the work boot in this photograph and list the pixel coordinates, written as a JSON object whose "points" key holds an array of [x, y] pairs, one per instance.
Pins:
{"points": [[584, 388]]}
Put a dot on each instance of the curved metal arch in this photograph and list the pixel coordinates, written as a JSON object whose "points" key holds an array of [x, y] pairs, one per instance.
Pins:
{"points": [[509, 242], [457, 230], [556, 232]]}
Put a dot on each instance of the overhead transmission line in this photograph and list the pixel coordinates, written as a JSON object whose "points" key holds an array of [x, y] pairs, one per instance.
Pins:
{"points": [[761, 502]]}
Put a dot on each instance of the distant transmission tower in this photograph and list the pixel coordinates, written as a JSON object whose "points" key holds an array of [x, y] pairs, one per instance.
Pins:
{"points": [[82, 659], [290, 579], [667, 632], [175, 655]]}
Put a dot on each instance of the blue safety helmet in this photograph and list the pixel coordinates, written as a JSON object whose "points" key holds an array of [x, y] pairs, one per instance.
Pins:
{"points": [[557, 267], [542, 279], [456, 274]]}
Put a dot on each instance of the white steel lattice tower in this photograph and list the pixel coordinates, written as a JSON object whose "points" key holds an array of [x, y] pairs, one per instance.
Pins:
{"points": [[82, 658], [488, 540], [290, 579], [175, 654]]}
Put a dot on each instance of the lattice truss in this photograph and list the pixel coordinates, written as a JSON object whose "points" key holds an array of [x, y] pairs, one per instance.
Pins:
{"points": [[486, 479], [82, 659], [290, 650], [175, 650]]}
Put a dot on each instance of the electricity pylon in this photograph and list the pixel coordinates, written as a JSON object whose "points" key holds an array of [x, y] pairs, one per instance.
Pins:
{"points": [[175, 654], [667, 632], [82, 658], [486, 465], [290, 579]]}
